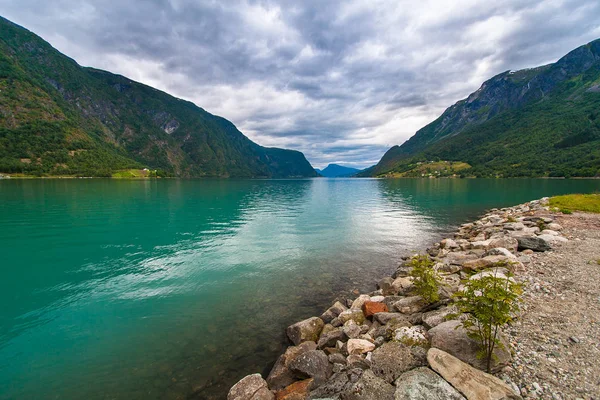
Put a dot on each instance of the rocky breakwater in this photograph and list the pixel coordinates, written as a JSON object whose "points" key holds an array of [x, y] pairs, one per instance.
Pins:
{"points": [[393, 344]]}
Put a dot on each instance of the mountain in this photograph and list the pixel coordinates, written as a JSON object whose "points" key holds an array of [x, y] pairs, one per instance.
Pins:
{"points": [[337, 171], [543, 121], [58, 118]]}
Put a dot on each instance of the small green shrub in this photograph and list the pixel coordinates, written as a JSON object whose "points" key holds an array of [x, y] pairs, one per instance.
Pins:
{"points": [[566, 211], [511, 219], [490, 303], [425, 278]]}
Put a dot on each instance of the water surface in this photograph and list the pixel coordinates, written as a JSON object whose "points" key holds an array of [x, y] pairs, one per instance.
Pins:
{"points": [[159, 289]]}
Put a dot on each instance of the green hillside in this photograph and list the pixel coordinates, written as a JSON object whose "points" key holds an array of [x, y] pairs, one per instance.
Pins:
{"points": [[536, 122], [58, 118]]}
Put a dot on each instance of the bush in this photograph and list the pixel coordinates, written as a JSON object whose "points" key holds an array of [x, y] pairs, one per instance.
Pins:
{"points": [[425, 278], [490, 303]]}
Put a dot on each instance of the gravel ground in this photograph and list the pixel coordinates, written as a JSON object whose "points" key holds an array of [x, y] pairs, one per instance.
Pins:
{"points": [[556, 342]]}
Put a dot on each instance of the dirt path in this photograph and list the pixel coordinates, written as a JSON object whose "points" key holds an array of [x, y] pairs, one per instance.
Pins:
{"points": [[557, 340]]}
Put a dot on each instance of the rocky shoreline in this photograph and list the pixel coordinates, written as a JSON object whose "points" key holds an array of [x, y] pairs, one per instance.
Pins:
{"points": [[392, 344]]}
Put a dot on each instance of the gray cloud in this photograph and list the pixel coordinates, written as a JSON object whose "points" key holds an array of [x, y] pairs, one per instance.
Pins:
{"points": [[341, 81]]}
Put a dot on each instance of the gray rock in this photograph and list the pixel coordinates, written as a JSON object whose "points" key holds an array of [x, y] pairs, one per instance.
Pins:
{"points": [[329, 339], [500, 251], [390, 300], [533, 243], [359, 301], [386, 286], [553, 240], [514, 226], [451, 337], [280, 375], [434, 318], [356, 361], [554, 226], [333, 312], [410, 305], [449, 244], [391, 360], [369, 387], [307, 330], [337, 358], [505, 242], [251, 387], [312, 364], [351, 329], [339, 383], [549, 232], [352, 314], [385, 317], [424, 384]]}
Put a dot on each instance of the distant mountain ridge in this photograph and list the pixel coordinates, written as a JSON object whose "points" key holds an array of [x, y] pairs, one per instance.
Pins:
{"points": [[541, 121], [58, 118], [338, 171]]}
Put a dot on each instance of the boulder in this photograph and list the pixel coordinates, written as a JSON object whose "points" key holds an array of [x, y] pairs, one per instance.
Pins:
{"points": [[485, 262], [354, 315], [356, 361], [307, 330], [490, 261], [451, 337], [377, 299], [402, 270], [360, 300], [359, 346], [280, 375], [370, 308], [412, 336], [505, 242], [385, 317], [424, 384], [458, 258], [549, 232], [472, 383], [403, 285], [296, 391], [390, 300], [500, 251], [312, 364], [333, 312], [449, 244], [554, 226], [386, 286], [481, 244], [514, 226], [329, 339], [339, 383], [496, 272], [436, 317], [251, 387], [391, 360], [370, 387], [553, 240], [351, 329], [410, 305], [534, 243]]}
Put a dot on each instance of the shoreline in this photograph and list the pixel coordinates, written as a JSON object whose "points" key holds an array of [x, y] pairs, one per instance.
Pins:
{"points": [[392, 344]]}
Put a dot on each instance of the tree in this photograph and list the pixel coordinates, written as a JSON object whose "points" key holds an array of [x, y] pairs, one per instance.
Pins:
{"points": [[490, 302]]}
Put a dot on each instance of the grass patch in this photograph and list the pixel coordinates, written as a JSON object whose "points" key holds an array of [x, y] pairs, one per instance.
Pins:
{"points": [[577, 202], [131, 173]]}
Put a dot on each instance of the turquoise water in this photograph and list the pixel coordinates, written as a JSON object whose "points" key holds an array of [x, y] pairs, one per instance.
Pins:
{"points": [[159, 289]]}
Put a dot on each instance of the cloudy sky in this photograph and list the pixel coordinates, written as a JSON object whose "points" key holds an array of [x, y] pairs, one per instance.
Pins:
{"points": [[341, 81]]}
